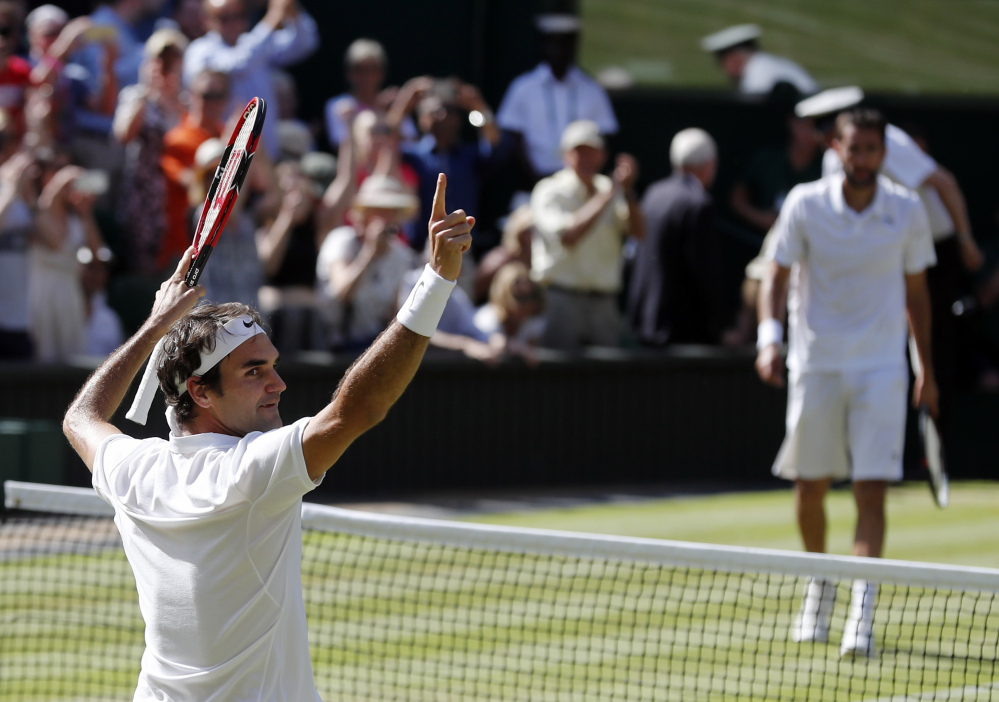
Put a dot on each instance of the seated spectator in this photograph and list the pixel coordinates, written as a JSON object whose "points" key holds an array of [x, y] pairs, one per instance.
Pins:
{"points": [[377, 150], [540, 104], [442, 111], [288, 247], [514, 246], [17, 233], [675, 293], [65, 222], [103, 332], [365, 64], [361, 267], [757, 72], [286, 35], [581, 219], [146, 112], [235, 273], [513, 315], [204, 120]]}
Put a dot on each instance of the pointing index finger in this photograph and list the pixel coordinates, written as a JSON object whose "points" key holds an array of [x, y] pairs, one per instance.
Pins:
{"points": [[438, 212]]}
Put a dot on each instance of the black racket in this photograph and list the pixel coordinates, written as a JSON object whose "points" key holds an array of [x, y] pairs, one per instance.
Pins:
{"points": [[229, 177], [933, 458]]}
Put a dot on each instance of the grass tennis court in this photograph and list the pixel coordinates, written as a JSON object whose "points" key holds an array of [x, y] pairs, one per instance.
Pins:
{"points": [[391, 620]]}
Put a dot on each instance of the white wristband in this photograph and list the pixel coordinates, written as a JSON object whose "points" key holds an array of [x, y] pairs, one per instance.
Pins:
{"points": [[425, 305], [770, 331]]}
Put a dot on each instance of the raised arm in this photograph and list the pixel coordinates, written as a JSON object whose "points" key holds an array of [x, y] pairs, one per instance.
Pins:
{"points": [[88, 420], [378, 378], [953, 201]]}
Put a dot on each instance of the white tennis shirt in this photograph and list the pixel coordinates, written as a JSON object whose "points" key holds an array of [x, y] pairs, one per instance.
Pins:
{"points": [[846, 304], [909, 165], [211, 526]]}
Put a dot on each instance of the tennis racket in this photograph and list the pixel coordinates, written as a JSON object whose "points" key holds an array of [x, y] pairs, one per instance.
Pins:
{"points": [[933, 458], [229, 177]]}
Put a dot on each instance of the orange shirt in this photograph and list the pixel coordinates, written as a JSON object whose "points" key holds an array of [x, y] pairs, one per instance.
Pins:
{"points": [[179, 147]]}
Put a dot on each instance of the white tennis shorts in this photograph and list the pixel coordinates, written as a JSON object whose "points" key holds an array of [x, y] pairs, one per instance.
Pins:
{"points": [[843, 425]]}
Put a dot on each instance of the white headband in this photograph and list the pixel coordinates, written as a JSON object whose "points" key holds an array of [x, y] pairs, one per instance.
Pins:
{"points": [[229, 337]]}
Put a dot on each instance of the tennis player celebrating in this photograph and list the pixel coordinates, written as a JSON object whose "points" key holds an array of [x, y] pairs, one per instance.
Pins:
{"points": [[858, 246], [211, 518]]}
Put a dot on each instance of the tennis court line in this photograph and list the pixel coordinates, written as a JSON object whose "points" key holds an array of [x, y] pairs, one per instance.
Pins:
{"points": [[947, 694]]}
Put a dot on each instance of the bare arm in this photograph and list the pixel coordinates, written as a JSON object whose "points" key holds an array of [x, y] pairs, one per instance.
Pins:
{"points": [[953, 200], [772, 305], [340, 193], [917, 307], [88, 420], [378, 378], [586, 216]]}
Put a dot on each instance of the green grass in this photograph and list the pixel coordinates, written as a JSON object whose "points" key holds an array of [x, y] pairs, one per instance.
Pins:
{"points": [[962, 534], [418, 621], [912, 46]]}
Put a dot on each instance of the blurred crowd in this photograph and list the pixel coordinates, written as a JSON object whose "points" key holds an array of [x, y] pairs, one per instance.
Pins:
{"points": [[112, 125]]}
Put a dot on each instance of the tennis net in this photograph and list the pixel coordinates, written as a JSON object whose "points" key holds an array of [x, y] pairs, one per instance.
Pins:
{"points": [[413, 609]]}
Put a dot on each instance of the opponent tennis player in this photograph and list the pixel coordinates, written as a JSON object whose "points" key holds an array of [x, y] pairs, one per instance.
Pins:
{"points": [[858, 245], [211, 517]]}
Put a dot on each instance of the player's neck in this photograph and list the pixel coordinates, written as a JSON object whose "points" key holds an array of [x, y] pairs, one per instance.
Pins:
{"points": [[859, 198]]}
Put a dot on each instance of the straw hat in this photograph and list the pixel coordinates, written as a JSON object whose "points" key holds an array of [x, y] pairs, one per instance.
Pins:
{"points": [[386, 193]]}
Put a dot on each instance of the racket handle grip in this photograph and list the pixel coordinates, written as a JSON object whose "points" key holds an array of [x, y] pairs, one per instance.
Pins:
{"points": [[139, 411], [197, 266]]}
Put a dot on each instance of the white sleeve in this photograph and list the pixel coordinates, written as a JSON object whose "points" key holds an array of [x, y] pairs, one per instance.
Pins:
{"points": [[511, 115], [111, 453], [787, 242], [831, 163], [905, 162], [269, 467], [919, 252], [600, 110], [550, 218]]}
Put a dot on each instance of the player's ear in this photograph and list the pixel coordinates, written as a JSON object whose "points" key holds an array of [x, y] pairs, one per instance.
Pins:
{"points": [[199, 393]]}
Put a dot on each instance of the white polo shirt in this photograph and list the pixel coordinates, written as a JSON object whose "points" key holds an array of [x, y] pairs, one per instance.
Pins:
{"points": [[763, 71], [846, 304], [540, 107], [211, 526], [594, 263], [909, 165]]}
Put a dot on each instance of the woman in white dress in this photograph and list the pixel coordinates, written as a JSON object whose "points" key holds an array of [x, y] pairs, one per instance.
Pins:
{"points": [[64, 223]]}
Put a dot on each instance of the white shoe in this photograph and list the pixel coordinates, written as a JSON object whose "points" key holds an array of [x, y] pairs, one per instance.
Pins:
{"points": [[812, 622], [858, 633]]}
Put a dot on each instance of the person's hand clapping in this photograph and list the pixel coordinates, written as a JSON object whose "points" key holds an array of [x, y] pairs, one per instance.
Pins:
{"points": [[625, 171], [450, 234]]}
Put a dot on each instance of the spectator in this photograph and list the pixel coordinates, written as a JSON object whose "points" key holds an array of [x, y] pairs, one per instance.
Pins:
{"points": [[15, 73], [17, 233], [286, 112], [288, 247], [365, 64], [675, 293], [65, 222], [514, 246], [103, 332], [442, 111], [756, 72], [580, 220], [540, 104], [119, 19], [146, 112], [236, 272], [189, 18], [361, 267], [513, 315], [287, 34], [204, 120]]}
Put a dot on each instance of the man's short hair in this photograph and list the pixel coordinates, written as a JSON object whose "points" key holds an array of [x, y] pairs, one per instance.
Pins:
{"points": [[363, 50], [692, 147], [861, 118], [191, 336]]}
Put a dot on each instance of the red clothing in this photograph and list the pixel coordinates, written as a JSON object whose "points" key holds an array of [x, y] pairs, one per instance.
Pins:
{"points": [[15, 79], [177, 161]]}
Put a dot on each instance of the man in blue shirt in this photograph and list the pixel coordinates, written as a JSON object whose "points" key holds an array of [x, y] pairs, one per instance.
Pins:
{"points": [[286, 35]]}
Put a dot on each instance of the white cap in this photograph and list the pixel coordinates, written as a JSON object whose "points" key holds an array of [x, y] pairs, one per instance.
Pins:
{"points": [[731, 36], [582, 132], [558, 24], [829, 101], [158, 42], [388, 193], [692, 147], [46, 14], [208, 152]]}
